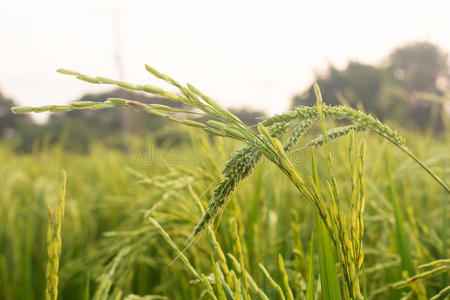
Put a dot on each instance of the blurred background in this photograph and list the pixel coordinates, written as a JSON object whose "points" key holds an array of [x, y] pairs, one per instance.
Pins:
{"points": [[255, 57]]}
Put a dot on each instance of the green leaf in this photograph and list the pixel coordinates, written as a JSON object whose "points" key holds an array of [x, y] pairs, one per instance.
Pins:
{"points": [[403, 247], [220, 291], [311, 280], [327, 263]]}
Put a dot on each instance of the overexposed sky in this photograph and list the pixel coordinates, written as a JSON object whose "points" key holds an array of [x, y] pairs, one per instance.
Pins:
{"points": [[242, 53]]}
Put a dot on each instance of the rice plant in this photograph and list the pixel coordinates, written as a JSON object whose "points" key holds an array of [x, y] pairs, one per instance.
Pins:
{"points": [[54, 244], [338, 205]]}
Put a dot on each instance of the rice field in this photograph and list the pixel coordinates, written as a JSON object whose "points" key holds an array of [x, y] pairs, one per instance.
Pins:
{"points": [[322, 202]]}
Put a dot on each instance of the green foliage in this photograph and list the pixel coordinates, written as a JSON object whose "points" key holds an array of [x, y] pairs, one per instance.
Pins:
{"points": [[168, 211], [327, 263], [402, 239], [327, 254], [106, 210], [393, 90], [9, 125], [310, 291], [115, 128]]}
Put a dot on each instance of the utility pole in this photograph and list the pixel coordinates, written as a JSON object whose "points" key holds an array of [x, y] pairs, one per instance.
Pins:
{"points": [[125, 118], [117, 42], [124, 113]]}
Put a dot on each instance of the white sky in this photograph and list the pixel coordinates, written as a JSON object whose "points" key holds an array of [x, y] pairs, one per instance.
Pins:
{"points": [[242, 53]]}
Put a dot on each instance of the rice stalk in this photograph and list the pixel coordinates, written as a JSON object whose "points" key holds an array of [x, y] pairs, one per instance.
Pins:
{"points": [[220, 291], [242, 273], [180, 254], [234, 128], [327, 261], [335, 133], [421, 276], [272, 282], [287, 289], [56, 216], [404, 248], [252, 284], [346, 231], [442, 293], [310, 291]]}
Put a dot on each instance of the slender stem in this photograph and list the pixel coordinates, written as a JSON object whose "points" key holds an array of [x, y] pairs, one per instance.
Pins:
{"points": [[409, 153]]}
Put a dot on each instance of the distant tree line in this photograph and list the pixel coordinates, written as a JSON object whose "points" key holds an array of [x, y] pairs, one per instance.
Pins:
{"points": [[395, 89], [79, 129], [10, 125], [392, 90]]}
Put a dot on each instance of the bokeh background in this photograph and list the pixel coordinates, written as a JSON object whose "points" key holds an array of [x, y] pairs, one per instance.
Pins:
{"points": [[255, 57]]}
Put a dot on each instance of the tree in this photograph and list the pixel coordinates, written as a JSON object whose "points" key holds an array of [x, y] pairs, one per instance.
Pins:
{"points": [[392, 90], [249, 116], [83, 127], [358, 83], [10, 124], [417, 68]]}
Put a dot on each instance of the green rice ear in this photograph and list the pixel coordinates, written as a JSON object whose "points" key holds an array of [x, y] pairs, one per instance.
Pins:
{"points": [[22, 109]]}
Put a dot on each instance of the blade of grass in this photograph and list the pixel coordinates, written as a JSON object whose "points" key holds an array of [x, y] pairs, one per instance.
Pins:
{"points": [[444, 235], [403, 247], [327, 261], [444, 292], [273, 283], [87, 288], [220, 291], [310, 290], [287, 289]]}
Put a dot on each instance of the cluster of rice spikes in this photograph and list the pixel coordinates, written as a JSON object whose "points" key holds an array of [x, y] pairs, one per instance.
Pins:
{"points": [[230, 277], [265, 143], [228, 125], [239, 167], [349, 249], [363, 121], [56, 216], [116, 255], [346, 231], [228, 281], [428, 270]]}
